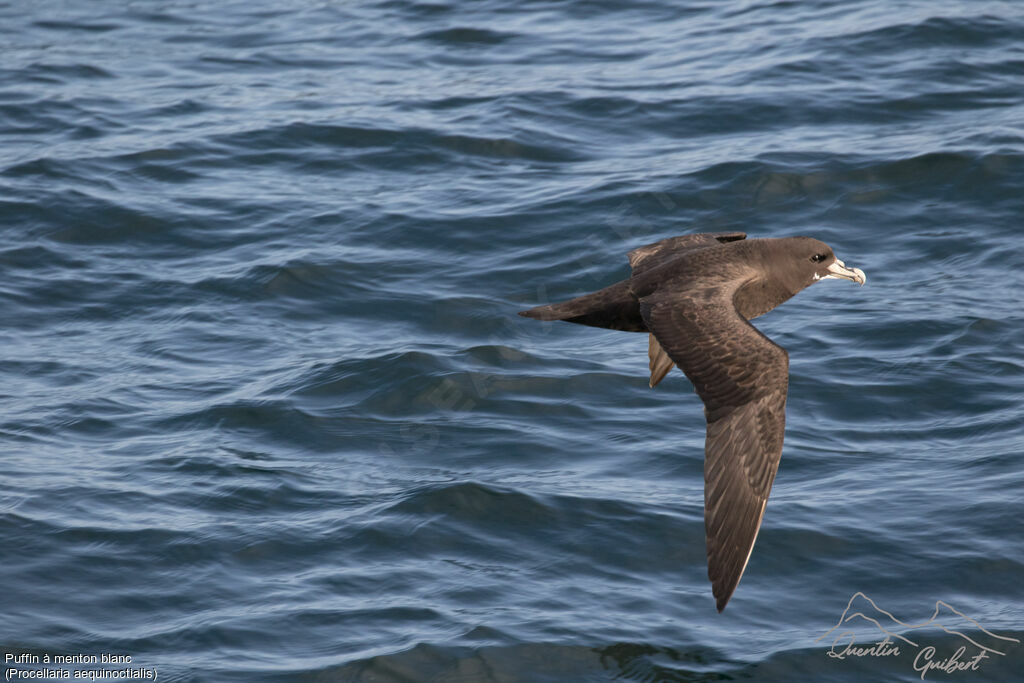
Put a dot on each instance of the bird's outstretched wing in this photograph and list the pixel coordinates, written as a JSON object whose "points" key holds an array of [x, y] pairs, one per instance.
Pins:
{"points": [[655, 254], [742, 377]]}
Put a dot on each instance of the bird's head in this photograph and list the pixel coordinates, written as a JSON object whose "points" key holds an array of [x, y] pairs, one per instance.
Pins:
{"points": [[809, 260]]}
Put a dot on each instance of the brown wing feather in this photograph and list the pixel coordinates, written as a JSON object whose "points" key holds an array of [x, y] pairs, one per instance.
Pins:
{"points": [[660, 362], [742, 378], [652, 255]]}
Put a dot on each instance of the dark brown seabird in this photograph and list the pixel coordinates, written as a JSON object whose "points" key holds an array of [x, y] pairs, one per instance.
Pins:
{"points": [[695, 294]]}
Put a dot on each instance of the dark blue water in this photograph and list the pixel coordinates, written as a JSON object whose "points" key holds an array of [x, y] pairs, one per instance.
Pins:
{"points": [[269, 414]]}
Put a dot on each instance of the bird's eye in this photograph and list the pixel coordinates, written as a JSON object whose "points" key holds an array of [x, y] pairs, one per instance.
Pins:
{"points": [[818, 258]]}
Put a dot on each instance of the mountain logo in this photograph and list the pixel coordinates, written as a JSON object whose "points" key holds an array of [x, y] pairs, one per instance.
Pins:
{"points": [[863, 620]]}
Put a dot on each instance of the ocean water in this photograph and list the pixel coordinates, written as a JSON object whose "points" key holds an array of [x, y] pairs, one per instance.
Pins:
{"points": [[269, 412]]}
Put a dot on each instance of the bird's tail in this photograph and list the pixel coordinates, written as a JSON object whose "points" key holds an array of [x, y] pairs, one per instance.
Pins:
{"points": [[613, 307]]}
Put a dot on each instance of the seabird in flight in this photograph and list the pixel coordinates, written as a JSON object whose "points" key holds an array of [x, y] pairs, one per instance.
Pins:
{"points": [[694, 295]]}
